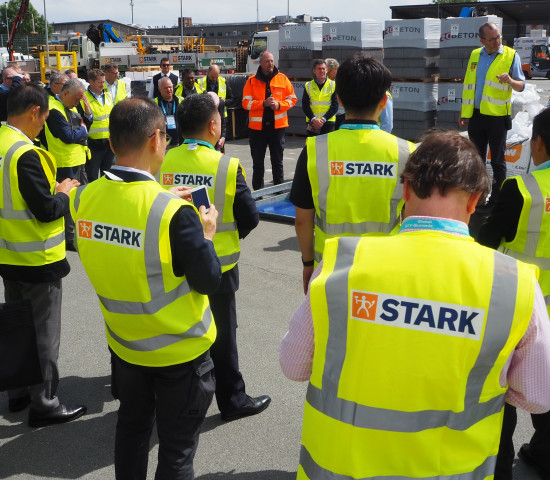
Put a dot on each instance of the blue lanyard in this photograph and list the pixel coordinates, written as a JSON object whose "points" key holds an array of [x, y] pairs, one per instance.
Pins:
{"points": [[164, 109], [440, 224], [360, 126], [200, 142], [542, 166]]}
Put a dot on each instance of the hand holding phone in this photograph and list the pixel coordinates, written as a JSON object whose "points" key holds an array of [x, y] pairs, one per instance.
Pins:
{"points": [[199, 196]]}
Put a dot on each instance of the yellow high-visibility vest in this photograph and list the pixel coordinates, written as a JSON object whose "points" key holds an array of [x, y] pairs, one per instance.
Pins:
{"points": [[497, 97], [194, 165], [152, 317], [405, 374], [24, 240], [354, 176], [100, 126], [320, 99], [532, 241]]}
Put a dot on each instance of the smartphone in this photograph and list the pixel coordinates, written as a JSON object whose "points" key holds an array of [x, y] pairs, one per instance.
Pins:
{"points": [[200, 197]]}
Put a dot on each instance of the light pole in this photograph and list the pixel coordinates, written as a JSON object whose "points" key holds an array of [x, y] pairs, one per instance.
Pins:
{"points": [[181, 26], [7, 26], [46, 28], [132, 7], [257, 15]]}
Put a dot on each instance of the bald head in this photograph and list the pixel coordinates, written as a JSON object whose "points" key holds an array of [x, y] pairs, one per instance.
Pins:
{"points": [[166, 89], [267, 64], [213, 73]]}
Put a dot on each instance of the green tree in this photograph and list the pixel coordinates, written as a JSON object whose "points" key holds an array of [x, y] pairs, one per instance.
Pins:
{"points": [[26, 26]]}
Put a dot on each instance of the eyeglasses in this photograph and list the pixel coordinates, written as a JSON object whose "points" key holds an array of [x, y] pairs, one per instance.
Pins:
{"points": [[494, 39], [164, 64], [168, 137]]}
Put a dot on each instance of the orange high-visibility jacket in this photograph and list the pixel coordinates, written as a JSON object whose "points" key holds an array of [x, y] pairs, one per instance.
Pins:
{"points": [[254, 95]]}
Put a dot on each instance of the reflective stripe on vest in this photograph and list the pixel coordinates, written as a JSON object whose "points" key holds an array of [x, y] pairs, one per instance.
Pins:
{"points": [[337, 229], [330, 402], [22, 233], [496, 98], [320, 100]]}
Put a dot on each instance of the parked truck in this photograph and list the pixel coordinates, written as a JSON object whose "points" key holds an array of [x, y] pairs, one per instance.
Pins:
{"points": [[259, 42]]}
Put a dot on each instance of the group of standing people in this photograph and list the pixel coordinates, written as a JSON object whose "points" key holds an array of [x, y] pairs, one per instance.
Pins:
{"points": [[413, 337]]}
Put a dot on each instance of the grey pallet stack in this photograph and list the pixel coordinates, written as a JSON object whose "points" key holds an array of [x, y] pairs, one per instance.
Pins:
{"points": [[412, 62], [299, 44], [414, 108], [411, 47], [296, 117], [449, 104], [343, 39], [297, 63], [459, 36]]}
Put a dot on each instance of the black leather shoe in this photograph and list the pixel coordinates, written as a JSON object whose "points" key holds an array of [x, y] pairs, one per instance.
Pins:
{"points": [[527, 456], [18, 404], [61, 414], [252, 406]]}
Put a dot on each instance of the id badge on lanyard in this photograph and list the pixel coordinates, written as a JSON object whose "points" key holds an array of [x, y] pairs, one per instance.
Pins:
{"points": [[170, 122]]}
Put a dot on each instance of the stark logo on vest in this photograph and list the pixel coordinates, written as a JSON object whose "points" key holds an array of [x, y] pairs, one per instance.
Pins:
{"points": [[417, 314], [172, 179], [363, 169], [113, 234]]}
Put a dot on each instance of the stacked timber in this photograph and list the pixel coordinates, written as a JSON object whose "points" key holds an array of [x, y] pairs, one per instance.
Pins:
{"points": [[411, 48], [414, 107], [342, 39], [299, 45]]}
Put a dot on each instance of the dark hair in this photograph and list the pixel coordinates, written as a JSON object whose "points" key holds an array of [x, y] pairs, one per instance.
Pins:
{"points": [[110, 66], [194, 113], [164, 59], [541, 127], [317, 61], [444, 161], [68, 70], [361, 83], [94, 74], [187, 71], [131, 123], [23, 98]]}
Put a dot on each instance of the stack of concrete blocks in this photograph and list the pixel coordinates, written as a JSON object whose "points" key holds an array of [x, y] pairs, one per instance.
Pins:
{"points": [[459, 36], [296, 117], [414, 107], [299, 44], [342, 39], [411, 48], [449, 103]]}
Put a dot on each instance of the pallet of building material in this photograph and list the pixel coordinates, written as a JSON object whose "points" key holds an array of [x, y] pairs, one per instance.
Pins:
{"points": [[139, 88], [341, 53], [299, 64], [415, 96], [459, 32], [359, 34], [417, 33], [301, 36], [411, 124], [299, 88], [449, 97], [453, 62], [430, 63], [296, 72], [299, 54]]}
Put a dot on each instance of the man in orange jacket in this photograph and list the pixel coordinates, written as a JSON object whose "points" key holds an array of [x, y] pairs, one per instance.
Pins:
{"points": [[267, 95]]}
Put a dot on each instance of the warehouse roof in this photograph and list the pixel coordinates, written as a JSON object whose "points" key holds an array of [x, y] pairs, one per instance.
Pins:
{"points": [[524, 11]]}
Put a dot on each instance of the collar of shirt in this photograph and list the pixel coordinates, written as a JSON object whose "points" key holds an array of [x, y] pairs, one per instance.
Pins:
{"points": [[99, 98], [447, 225], [131, 169], [204, 143], [19, 131], [320, 84], [542, 166], [351, 121], [500, 50]]}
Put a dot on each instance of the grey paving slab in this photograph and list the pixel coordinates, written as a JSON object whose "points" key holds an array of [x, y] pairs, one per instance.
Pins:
{"points": [[264, 447]]}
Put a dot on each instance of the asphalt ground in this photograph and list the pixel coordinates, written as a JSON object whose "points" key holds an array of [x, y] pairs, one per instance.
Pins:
{"points": [[263, 447]]}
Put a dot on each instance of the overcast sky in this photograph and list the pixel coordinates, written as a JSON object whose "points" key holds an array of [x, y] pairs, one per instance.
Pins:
{"points": [[165, 12]]}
